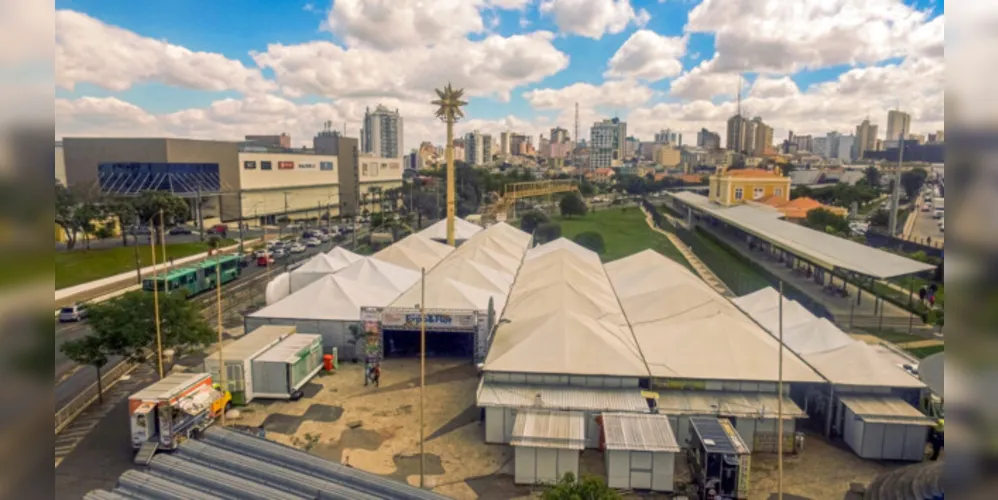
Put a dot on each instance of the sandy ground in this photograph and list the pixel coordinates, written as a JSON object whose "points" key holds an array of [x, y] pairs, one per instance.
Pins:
{"points": [[377, 429]]}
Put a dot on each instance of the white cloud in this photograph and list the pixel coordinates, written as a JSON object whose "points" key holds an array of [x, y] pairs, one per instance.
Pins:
{"points": [[87, 50], [593, 18], [395, 24], [612, 94], [26, 32], [772, 36], [765, 87], [492, 66], [703, 83], [509, 4], [648, 56]]}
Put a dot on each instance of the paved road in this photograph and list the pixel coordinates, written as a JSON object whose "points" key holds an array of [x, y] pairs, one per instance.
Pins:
{"points": [[71, 380], [926, 227]]}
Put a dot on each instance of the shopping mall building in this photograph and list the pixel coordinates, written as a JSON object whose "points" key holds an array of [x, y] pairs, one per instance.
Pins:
{"points": [[260, 179]]}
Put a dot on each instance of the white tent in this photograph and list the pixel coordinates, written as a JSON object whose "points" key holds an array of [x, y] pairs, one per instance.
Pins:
{"points": [[415, 252], [317, 267], [278, 288], [563, 318], [687, 330], [342, 257], [818, 335], [463, 230], [331, 304]]}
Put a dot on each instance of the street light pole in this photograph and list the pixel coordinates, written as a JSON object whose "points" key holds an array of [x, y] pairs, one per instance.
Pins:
{"points": [[422, 374], [155, 301]]}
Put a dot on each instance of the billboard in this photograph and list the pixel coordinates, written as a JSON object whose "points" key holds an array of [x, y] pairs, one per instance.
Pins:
{"points": [[285, 165], [249, 165], [372, 334], [325, 165], [409, 319], [306, 165]]}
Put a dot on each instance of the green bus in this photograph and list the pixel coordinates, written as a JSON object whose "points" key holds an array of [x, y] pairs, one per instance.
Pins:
{"points": [[197, 278]]}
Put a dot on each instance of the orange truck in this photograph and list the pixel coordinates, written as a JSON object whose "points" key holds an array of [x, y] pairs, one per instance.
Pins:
{"points": [[174, 408]]}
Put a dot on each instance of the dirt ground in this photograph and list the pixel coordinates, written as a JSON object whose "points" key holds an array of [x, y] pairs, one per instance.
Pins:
{"points": [[376, 429]]}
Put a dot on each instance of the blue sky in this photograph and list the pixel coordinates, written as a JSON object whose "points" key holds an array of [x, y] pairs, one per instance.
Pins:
{"points": [[234, 29]]}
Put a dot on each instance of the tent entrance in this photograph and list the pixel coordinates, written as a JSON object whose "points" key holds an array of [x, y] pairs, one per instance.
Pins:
{"points": [[401, 344]]}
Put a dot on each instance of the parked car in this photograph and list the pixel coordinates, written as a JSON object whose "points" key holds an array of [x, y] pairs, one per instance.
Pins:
{"points": [[264, 260], [75, 312], [260, 253], [138, 230], [321, 236], [279, 252], [218, 229], [175, 230], [312, 242], [296, 247]]}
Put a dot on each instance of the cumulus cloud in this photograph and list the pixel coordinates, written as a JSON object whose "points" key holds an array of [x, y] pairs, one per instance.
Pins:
{"points": [[392, 24], [593, 18], [648, 56], [765, 87], [88, 50], [613, 94], [702, 82]]}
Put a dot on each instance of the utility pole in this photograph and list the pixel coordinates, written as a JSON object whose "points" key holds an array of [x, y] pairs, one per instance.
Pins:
{"points": [[197, 213], [239, 203], [135, 244], [155, 301], [162, 244], [779, 407], [422, 373], [286, 219], [218, 300]]}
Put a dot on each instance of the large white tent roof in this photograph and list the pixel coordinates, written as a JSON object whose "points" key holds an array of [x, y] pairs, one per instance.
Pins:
{"points": [[341, 257], [415, 252], [835, 355], [332, 297], [463, 230], [563, 317], [685, 329], [483, 267], [380, 274], [318, 266]]}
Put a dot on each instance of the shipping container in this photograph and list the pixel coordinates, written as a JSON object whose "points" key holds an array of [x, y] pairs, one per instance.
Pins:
{"points": [[238, 357], [286, 367]]}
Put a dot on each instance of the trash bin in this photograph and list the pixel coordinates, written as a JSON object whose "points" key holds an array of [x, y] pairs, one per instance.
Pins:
{"points": [[327, 362]]}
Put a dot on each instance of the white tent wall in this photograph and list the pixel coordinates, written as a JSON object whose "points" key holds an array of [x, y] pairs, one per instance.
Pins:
{"points": [[569, 380], [543, 465], [640, 470], [278, 288], [884, 441], [335, 334]]}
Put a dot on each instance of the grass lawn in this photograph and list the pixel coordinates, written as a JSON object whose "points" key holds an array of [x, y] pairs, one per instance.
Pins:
{"points": [[78, 266], [624, 232], [924, 352], [891, 336]]}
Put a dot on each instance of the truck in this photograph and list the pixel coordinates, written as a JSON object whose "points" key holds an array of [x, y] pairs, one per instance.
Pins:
{"points": [[172, 410]]}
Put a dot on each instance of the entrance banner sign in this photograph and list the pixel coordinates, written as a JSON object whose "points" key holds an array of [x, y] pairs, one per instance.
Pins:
{"points": [[373, 351], [436, 320]]}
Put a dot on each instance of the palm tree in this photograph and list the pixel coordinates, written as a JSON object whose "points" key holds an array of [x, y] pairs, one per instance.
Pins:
{"points": [[450, 111]]}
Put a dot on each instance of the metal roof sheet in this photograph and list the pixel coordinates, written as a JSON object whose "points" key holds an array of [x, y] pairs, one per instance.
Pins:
{"points": [[638, 432], [254, 343], [550, 429], [727, 404], [817, 246], [287, 350], [169, 386], [718, 435], [561, 398], [884, 409]]}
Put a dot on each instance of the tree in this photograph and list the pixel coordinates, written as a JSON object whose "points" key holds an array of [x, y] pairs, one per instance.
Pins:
{"points": [[532, 219], [880, 218], [912, 182], [787, 168], [124, 211], [591, 240], [588, 488], [548, 231], [75, 213], [126, 325], [586, 188], [824, 220], [872, 176], [104, 232], [90, 350], [572, 204], [149, 204]]}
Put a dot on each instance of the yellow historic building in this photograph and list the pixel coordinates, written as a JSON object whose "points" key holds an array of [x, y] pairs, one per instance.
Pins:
{"points": [[734, 187]]}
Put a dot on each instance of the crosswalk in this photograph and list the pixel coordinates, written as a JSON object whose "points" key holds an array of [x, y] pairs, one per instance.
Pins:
{"points": [[70, 437]]}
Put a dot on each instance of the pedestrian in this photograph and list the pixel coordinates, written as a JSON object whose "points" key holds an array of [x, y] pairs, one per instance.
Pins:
{"points": [[936, 439], [376, 374], [367, 373], [932, 301], [921, 294], [933, 288]]}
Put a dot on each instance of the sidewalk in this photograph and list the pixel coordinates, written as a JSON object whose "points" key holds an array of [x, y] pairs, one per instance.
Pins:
{"points": [[67, 293], [701, 268], [844, 310]]}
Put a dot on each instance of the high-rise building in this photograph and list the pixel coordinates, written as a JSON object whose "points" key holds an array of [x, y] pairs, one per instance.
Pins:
{"points": [[845, 147], [559, 135], [866, 138], [804, 143], [708, 140], [737, 139], [669, 138], [520, 144], [918, 138], [382, 133], [504, 144], [937, 138], [821, 147], [762, 137], [898, 125], [607, 143], [477, 148]]}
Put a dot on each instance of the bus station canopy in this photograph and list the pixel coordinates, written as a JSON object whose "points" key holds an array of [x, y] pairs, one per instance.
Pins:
{"points": [[818, 247]]}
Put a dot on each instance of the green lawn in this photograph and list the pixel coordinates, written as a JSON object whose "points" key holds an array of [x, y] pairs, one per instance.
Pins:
{"points": [[892, 336], [624, 232], [924, 352], [79, 266]]}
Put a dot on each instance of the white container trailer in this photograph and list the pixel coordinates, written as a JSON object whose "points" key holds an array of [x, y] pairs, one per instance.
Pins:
{"points": [[239, 355], [286, 367]]}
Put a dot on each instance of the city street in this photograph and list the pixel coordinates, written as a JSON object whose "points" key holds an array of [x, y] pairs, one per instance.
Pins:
{"points": [[71, 381], [926, 227]]}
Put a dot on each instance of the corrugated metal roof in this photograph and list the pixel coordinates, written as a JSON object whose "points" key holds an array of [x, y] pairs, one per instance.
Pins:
{"points": [[287, 350], [253, 343], [561, 398], [550, 429], [884, 409], [231, 464], [637, 432], [718, 435], [727, 404], [169, 386]]}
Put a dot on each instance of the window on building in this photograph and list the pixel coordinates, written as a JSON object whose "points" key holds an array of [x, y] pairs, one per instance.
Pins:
{"points": [[739, 193], [363, 167], [266, 165], [757, 193], [778, 191]]}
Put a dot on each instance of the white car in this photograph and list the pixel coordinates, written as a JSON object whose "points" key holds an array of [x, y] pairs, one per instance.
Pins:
{"points": [[321, 236], [297, 247], [313, 242], [75, 312]]}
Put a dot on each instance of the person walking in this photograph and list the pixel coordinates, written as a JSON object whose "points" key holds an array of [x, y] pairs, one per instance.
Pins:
{"points": [[921, 294], [936, 440], [367, 373], [376, 374]]}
